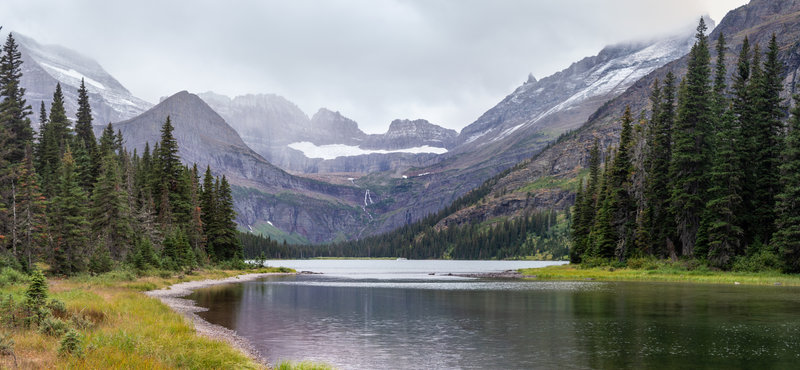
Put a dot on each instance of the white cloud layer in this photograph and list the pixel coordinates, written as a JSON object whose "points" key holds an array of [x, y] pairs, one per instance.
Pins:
{"points": [[447, 61]]}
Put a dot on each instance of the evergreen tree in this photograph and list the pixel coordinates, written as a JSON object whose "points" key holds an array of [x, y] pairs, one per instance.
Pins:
{"points": [[110, 211], [691, 154], [767, 142], [14, 110], [53, 139], [85, 134], [786, 239], [70, 227], [723, 231], [31, 220], [222, 234], [83, 124], [620, 200]]}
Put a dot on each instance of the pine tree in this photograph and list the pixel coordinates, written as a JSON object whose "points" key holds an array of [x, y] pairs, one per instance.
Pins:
{"points": [[222, 235], [53, 139], [691, 148], [110, 211], [85, 134], [786, 239], [766, 89], [723, 230], [619, 184], [30, 204], [83, 124], [579, 233], [70, 227], [14, 110]]}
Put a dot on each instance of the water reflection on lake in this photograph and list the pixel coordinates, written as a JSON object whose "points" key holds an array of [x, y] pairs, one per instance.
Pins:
{"points": [[401, 319]]}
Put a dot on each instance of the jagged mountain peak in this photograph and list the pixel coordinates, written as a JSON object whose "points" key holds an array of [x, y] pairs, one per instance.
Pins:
{"points": [[333, 127]]}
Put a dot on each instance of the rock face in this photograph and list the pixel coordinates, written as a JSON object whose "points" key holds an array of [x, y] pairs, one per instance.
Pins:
{"points": [[45, 65], [271, 125], [405, 133], [263, 193]]}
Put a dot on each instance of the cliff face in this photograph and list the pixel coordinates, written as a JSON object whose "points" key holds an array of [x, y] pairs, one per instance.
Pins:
{"points": [[562, 162]]}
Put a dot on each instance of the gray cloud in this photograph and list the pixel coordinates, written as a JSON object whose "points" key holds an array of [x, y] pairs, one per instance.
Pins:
{"points": [[373, 60]]}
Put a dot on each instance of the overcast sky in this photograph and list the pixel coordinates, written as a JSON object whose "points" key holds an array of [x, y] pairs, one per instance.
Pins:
{"points": [[373, 60]]}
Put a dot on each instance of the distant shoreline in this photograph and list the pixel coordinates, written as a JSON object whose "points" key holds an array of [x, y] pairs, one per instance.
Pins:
{"points": [[662, 273], [172, 296]]}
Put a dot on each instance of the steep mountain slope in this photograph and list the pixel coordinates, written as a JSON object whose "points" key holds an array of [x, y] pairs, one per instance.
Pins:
{"points": [[45, 65], [522, 124], [266, 195], [328, 142], [548, 180]]}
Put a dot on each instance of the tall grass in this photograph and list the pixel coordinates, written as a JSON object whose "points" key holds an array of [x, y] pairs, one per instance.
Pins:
{"points": [[663, 271], [119, 327]]}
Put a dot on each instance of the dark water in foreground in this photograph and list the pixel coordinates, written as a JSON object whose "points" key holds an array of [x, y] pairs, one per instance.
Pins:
{"points": [[403, 320]]}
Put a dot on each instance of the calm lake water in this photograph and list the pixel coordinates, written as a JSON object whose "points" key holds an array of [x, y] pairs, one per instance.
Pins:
{"points": [[393, 315]]}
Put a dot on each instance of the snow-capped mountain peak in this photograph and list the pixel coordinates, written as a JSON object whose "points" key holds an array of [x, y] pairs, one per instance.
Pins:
{"points": [[45, 65]]}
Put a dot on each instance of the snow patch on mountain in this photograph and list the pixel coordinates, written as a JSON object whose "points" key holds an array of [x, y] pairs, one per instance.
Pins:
{"points": [[332, 151], [72, 73]]}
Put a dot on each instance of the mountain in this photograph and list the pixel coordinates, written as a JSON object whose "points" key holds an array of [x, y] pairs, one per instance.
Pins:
{"points": [[529, 119], [45, 65], [549, 179], [264, 195], [328, 142]]}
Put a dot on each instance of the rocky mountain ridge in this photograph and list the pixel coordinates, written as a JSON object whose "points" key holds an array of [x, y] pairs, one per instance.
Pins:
{"points": [[45, 65], [549, 179], [328, 142]]}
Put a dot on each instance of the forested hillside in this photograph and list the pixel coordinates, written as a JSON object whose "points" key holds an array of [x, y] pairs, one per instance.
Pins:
{"points": [[79, 204], [710, 175]]}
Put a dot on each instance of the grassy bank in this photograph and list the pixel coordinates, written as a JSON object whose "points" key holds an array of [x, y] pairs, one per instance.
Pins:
{"points": [[118, 326], [662, 272]]}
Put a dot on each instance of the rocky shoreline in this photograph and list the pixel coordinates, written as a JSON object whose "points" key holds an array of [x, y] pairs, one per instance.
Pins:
{"points": [[508, 274], [172, 297]]}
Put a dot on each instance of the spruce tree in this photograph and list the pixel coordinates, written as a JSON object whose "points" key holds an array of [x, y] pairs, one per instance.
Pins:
{"points": [[110, 210], [30, 203], [619, 184], [70, 227], [786, 239], [83, 124], [660, 155], [723, 230], [767, 139], [225, 243], [14, 110], [691, 154], [85, 134]]}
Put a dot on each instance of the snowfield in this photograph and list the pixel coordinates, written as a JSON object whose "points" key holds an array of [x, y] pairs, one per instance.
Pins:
{"points": [[332, 151]]}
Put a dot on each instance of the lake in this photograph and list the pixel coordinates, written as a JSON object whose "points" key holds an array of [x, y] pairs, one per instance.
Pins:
{"points": [[379, 314]]}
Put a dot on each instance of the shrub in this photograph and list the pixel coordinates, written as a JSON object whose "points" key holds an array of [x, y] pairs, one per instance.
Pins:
{"points": [[100, 261], [644, 263], [53, 326], [36, 293], [763, 260], [10, 276], [12, 314], [57, 308], [71, 344], [591, 262]]}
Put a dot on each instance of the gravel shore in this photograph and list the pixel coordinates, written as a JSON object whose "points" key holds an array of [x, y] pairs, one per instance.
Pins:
{"points": [[171, 296]]}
